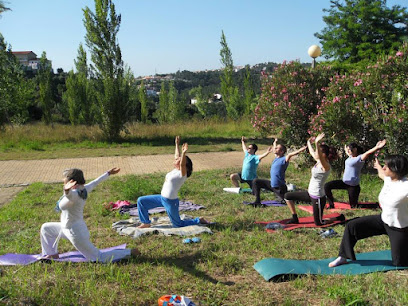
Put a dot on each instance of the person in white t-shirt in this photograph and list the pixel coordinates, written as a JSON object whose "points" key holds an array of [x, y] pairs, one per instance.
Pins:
{"points": [[183, 167], [393, 220], [72, 225]]}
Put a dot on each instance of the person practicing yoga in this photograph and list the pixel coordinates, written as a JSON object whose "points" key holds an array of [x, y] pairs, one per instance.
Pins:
{"points": [[315, 193], [352, 170], [393, 220], [249, 165], [72, 225], [183, 167], [277, 183]]}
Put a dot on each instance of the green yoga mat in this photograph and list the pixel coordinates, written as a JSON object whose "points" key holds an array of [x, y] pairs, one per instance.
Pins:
{"points": [[275, 268]]}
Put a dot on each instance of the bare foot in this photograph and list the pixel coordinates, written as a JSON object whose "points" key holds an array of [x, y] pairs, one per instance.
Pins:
{"points": [[55, 256], [134, 253], [338, 262], [203, 221], [144, 225]]}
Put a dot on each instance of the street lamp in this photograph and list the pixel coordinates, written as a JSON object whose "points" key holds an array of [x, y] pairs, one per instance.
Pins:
{"points": [[314, 51]]}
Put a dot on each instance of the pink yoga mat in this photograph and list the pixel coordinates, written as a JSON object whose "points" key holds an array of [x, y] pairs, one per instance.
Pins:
{"points": [[339, 206], [303, 222]]}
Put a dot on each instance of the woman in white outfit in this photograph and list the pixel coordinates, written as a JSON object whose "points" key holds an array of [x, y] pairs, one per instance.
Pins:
{"points": [[72, 225]]}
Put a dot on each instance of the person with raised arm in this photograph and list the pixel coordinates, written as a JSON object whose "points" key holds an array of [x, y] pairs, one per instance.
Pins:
{"points": [[393, 220], [352, 171], [72, 225], [322, 154], [183, 168], [277, 183], [249, 165]]}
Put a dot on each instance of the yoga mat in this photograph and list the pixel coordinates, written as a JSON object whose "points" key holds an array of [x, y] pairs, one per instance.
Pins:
{"points": [[237, 190], [267, 203], [303, 222], [274, 268], [12, 259], [183, 206], [339, 206]]}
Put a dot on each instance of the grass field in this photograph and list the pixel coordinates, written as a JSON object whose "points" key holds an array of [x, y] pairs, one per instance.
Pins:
{"points": [[217, 271]]}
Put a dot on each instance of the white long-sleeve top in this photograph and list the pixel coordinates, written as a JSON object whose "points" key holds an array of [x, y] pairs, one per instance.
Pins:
{"points": [[393, 199], [72, 205]]}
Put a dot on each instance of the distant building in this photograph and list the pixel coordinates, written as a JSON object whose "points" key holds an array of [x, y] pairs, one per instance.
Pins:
{"points": [[28, 59]]}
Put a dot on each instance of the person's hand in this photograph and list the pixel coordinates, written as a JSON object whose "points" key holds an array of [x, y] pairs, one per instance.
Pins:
{"points": [[242, 139], [302, 149], [377, 164], [71, 184], [381, 144], [177, 140], [275, 142], [185, 147], [319, 137], [269, 150], [113, 171]]}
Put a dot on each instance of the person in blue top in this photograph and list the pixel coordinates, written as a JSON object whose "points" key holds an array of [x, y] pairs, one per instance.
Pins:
{"points": [[277, 184], [249, 165], [351, 177]]}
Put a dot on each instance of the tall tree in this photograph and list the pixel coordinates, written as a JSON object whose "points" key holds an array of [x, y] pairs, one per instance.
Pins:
{"points": [[144, 110], [45, 84], [163, 109], [229, 91], [176, 106], [359, 30], [3, 8], [112, 90], [249, 93]]}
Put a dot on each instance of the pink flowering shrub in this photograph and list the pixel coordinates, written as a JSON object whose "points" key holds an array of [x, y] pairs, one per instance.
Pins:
{"points": [[289, 97], [366, 106]]}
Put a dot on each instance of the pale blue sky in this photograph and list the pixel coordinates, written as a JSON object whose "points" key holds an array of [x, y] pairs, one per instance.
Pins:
{"points": [[163, 36]]}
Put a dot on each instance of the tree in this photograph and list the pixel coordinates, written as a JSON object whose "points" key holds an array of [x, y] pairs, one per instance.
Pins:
{"points": [[176, 105], [3, 8], [45, 84], [359, 30], [112, 90], [229, 91], [144, 110], [249, 93], [163, 109]]}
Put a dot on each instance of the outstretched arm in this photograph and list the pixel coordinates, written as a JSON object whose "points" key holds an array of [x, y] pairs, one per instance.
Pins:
{"points": [[177, 152], [244, 148], [269, 150], [290, 155], [275, 143], [322, 159], [378, 146], [379, 169], [311, 150], [183, 160]]}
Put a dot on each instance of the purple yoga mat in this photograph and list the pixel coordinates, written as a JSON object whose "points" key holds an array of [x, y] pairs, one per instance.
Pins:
{"points": [[267, 203], [183, 206], [11, 259]]}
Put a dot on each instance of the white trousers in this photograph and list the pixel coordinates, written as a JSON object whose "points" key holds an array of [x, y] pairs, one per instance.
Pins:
{"points": [[79, 236]]}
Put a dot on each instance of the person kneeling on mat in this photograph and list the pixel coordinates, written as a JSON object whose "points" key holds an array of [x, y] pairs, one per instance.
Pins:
{"points": [[393, 220]]}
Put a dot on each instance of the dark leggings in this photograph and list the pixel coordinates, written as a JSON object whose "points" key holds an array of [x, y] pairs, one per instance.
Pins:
{"points": [[368, 226], [353, 192], [318, 204], [257, 184]]}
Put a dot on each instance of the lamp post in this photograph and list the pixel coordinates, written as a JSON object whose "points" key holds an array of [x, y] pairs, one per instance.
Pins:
{"points": [[314, 51]]}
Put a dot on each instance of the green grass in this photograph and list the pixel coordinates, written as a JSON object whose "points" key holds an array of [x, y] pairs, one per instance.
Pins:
{"points": [[38, 141], [217, 271]]}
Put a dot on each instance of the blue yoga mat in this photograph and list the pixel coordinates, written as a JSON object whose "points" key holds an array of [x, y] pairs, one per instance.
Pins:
{"points": [[275, 268]]}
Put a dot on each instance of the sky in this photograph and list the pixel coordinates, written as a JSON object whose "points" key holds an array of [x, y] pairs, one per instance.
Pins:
{"points": [[163, 36]]}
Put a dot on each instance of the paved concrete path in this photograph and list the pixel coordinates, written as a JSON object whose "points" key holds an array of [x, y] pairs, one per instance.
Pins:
{"points": [[17, 173]]}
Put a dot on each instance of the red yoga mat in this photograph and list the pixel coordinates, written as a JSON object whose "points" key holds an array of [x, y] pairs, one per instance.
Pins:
{"points": [[339, 206], [303, 222]]}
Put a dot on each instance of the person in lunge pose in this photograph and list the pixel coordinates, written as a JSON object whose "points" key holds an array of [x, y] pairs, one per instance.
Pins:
{"points": [[315, 193], [72, 225], [393, 220], [183, 168], [249, 165], [351, 177], [277, 183]]}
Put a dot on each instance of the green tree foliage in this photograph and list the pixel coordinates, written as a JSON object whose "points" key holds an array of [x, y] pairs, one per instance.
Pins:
{"points": [[144, 109], [229, 92], [15, 91], [176, 106], [3, 8], [111, 87], [79, 95], [249, 93], [161, 113], [46, 100], [358, 30]]}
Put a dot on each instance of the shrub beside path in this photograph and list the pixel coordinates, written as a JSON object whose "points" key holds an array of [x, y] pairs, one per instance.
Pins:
{"points": [[15, 174]]}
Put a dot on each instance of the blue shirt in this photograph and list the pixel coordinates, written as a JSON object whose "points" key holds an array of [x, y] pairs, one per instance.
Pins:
{"points": [[352, 170], [278, 169], [249, 166]]}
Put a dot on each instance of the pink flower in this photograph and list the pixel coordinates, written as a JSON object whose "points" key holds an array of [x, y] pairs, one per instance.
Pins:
{"points": [[399, 53]]}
